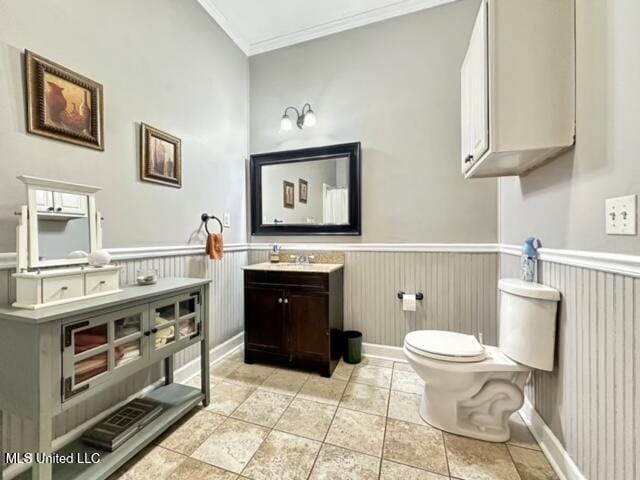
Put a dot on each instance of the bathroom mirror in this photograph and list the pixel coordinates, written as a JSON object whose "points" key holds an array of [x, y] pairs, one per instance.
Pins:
{"points": [[312, 191], [62, 224]]}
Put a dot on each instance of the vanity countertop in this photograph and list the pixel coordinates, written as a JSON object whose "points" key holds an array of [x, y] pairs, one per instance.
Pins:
{"points": [[295, 267]]}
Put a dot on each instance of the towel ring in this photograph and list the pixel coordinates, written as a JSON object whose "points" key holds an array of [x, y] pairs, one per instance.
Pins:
{"points": [[205, 219]]}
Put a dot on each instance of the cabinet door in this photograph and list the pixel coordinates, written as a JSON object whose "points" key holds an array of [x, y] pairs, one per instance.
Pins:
{"points": [[308, 324], [174, 322], [97, 349], [264, 320], [475, 94], [44, 201], [70, 203]]}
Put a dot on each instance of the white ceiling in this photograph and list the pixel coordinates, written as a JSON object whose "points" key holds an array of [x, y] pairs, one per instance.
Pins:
{"points": [[258, 26]]}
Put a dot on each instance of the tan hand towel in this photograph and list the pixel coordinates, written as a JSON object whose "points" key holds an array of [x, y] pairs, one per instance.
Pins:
{"points": [[215, 246]]}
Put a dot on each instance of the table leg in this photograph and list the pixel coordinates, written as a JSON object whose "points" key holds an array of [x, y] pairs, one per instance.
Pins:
{"points": [[168, 370], [43, 444], [1, 445]]}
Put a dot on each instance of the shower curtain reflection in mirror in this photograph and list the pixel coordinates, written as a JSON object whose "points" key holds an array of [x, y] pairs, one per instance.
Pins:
{"points": [[335, 205]]}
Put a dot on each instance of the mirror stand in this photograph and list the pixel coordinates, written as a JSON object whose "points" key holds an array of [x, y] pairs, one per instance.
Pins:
{"points": [[63, 277]]}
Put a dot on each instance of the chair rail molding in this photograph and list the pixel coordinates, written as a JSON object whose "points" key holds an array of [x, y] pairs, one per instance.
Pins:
{"points": [[628, 265], [622, 264]]}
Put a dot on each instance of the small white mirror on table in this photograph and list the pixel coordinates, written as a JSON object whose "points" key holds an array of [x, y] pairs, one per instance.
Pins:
{"points": [[57, 231]]}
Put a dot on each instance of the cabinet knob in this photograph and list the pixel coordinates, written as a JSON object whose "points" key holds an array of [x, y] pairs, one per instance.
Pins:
{"points": [[279, 300], [64, 288], [50, 209], [146, 334], [154, 330], [468, 159], [286, 300], [59, 209]]}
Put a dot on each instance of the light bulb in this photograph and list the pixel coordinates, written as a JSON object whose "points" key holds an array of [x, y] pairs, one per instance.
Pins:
{"points": [[309, 119], [285, 123]]}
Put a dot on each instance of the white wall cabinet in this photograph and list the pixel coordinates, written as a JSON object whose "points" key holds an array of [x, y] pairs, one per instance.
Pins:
{"points": [[60, 204], [517, 87]]}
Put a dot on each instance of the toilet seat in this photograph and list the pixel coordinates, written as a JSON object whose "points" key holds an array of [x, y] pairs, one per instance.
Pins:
{"points": [[445, 346]]}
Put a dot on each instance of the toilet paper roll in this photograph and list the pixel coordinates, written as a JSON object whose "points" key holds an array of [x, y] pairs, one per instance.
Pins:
{"points": [[409, 302]]}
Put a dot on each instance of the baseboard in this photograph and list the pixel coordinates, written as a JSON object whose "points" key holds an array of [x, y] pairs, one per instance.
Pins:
{"points": [[181, 375], [217, 353], [558, 457], [385, 352]]}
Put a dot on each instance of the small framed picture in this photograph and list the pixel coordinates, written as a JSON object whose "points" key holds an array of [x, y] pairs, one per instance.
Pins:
{"points": [[288, 194], [62, 104], [303, 190], [160, 157]]}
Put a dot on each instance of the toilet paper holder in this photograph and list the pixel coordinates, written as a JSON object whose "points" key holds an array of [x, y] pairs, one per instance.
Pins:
{"points": [[419, 295]]}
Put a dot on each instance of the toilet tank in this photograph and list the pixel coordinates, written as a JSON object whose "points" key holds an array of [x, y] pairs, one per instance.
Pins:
{"points": [[528, 322]]}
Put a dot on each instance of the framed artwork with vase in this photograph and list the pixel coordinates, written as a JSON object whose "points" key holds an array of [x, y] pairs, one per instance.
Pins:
{"points": [[288, 194], [62, 104], [303, 190], [160, 157]]}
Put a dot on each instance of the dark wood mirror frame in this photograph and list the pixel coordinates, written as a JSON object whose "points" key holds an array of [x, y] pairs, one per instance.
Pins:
{"points": [[350, 150]]}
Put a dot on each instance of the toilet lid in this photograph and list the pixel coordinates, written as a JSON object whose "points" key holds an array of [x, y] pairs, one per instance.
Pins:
{"points": [[448, 346]]}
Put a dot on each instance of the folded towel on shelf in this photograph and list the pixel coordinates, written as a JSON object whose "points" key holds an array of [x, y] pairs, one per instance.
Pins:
{"points": [[215, 246]]}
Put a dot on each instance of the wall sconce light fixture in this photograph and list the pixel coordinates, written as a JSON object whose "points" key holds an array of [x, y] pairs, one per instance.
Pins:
{"points": [[304, 118]]}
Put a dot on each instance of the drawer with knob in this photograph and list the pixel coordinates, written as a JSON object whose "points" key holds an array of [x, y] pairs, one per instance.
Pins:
{"points": [[100, 282], [65, 287]]}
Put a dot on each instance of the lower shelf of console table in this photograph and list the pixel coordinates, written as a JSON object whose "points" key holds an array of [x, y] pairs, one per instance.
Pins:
{"points": [[54, 359], [180, 398]]}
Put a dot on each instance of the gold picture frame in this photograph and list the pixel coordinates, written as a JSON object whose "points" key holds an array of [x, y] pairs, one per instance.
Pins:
{"points": [[288, 194], [62, 104], [160, 157], [303, 190]]}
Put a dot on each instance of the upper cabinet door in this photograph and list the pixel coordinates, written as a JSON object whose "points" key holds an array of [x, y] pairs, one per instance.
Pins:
{"points": [[474, 94], [44, 201], [70, 203]]}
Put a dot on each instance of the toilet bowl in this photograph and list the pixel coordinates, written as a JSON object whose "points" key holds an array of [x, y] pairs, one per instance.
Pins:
{"points": [[473, 389]]}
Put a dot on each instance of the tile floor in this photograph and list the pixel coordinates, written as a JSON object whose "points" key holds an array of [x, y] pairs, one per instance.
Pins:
{"points": [[269, 423]]}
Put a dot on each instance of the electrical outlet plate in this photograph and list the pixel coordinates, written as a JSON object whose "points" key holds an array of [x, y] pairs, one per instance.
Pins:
{"points": [[226, 220], [621, 213]]}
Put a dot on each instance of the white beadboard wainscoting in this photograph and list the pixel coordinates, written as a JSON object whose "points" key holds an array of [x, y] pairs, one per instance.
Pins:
{"points": [[591, 401], [226, 321], [459, 287]]}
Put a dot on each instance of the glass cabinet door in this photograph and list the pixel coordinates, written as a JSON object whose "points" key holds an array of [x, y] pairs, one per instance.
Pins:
{"points": [[93, 348], [174, 321]]}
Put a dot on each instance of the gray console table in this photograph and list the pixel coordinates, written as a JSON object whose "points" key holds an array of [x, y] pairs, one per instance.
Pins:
{"points": [[54, 358]]}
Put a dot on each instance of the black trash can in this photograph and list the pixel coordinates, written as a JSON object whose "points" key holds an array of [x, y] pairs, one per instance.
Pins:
{"points": [[352, 346]]}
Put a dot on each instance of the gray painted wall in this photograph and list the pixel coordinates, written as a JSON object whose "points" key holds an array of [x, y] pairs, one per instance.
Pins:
{"points": [[162, 62], [395, 86], [563, 202]]}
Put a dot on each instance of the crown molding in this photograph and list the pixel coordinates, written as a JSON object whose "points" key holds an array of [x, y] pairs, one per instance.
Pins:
{"points": [[374, 15], [222, 21], [401, 7]]}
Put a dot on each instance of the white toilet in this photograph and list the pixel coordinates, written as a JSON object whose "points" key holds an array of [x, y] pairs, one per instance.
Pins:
{"points": [[472, 389]]}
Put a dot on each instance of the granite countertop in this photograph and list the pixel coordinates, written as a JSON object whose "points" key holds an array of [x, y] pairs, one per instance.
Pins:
{"points": [[294, 267]]}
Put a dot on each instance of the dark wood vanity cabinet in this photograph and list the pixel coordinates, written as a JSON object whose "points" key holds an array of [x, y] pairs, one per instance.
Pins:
{"points": [[294, 318]]}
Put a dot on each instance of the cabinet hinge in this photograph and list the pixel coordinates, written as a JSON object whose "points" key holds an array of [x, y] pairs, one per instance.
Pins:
{"points": [[197, 297]]}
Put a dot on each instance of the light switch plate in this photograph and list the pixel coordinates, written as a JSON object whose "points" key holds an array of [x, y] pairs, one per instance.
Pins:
{"points": [[621, 215], [226, 220]]}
